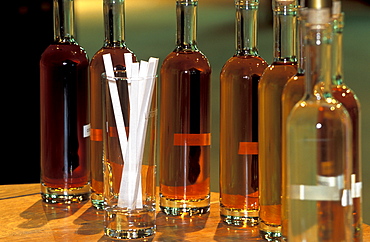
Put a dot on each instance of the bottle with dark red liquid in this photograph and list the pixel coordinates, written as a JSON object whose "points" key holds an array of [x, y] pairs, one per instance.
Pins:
{"points": [[65, 127]]}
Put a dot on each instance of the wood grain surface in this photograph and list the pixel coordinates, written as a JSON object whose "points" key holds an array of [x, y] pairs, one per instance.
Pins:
{"points": [[24, 217]]}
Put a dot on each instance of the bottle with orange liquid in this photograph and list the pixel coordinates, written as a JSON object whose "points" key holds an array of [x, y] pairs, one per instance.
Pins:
{"points": [[185, 136], [114, 43], [239, 122], [348, 98]]}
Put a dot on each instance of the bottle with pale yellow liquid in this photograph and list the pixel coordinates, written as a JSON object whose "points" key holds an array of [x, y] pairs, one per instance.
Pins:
{"points": [[270, 91], [319, 138]]}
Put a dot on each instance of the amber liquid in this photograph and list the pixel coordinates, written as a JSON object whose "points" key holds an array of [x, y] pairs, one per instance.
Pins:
{"points": [[270, 89], [239, 123], [349, 100], [96, 119], [185, 109], [64, 114]]}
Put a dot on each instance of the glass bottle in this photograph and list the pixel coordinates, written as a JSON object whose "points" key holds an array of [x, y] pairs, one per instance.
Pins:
{"points": [[348, 98], [319, 137], [64, 120], [114, 43], [185, 121], [292, 93], [270, 90], [239, 122]]}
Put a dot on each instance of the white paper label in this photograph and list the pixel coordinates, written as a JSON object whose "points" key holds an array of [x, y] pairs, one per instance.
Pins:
{"points": [[86, 130], [328, 189], [356, 187]]}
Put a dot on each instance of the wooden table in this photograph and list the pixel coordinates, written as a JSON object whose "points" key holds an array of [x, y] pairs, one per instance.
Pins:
{"points": [[24, 217]]}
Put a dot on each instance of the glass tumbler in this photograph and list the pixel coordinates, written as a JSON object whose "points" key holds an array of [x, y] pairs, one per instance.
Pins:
{"points": [[137, 220]]}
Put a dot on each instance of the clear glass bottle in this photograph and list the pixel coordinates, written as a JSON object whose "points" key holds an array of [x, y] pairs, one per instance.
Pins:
{"points": [[270, 90], [185, 121], [319, 152], [292, 93], [348, 98], [239, 122], [114, 43], [64, 121]]}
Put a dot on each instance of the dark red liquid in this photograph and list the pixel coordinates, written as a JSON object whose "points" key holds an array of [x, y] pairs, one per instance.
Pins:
{"points": [[64, 116]]}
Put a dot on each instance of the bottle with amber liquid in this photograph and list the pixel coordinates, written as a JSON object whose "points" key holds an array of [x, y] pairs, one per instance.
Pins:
{"points": [[292, 93], [270, 90], [114, 43], [185, 121], [319, 145], [65, 127], [348, 98], [239, 122]]}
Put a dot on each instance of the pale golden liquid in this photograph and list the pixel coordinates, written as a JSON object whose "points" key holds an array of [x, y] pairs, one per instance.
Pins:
{"points": [[318, 147], [239, 123], [184, 170], [270, 90], [292, 93]]}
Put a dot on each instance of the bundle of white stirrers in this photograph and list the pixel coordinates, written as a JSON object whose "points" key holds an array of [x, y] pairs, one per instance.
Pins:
{"points": [[141, 81]]}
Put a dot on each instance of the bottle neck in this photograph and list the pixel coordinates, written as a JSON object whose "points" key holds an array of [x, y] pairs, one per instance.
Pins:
{"points": [[186, 11], [285, 25], [246, 27], [301, 56], [318, 43], [63, 21], [337, 75], [114, 23]]}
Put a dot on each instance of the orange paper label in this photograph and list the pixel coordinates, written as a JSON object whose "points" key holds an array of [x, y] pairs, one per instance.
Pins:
{"points": [[114, 133], [96, 134], [192, 139], [248, 148]]}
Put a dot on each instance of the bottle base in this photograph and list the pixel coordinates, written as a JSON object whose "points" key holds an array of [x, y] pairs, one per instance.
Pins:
{"points": [[65, 195], [239, 217], [179, 207], [97, 200], [270, 232]]}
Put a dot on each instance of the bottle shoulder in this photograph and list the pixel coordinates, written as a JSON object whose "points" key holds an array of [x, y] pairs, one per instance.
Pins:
{"points": [[111, 50], [324, 110], [57, 53], [244, 65], [117, 55], [278, 73], [185, 60], [346, 95]]}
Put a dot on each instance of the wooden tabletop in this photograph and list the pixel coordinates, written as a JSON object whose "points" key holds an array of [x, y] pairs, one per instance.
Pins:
{"points": [[24, 217]]}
